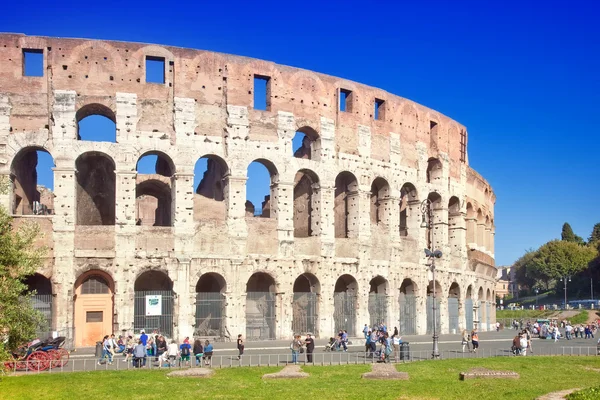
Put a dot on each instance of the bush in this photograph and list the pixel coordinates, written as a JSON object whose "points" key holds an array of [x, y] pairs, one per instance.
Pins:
{"points": [[592, 393]]}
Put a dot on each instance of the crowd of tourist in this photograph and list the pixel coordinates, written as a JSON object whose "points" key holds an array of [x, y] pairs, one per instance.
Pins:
{"points": [[155, 348]]}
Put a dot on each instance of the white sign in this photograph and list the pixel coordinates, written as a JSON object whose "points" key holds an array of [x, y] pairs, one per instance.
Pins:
{"points": [[154, 304]]}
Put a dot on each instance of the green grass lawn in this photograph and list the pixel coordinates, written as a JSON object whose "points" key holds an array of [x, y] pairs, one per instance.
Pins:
{"points": [[428, 380], [518, 314]]}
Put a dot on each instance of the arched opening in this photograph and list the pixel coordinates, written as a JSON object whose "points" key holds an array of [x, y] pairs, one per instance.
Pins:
{"points": [[378, 301], [305, 307], [94, 307], [454, 225], [41, 300], [210, 306], [453, 308], [307, 204], [380, 197], [345, 299], [469, 308], [408, 308], [306, 144], [33, 182], [211, 184], [154, 191], [345, 207], [96, 185], [260, 307], [97, 123], [433, 239], [429, 306], [434, 170], [261, 189], [487, 233], [408, 203], [153, 307]]}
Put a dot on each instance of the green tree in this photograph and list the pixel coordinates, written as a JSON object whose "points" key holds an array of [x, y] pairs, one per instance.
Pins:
{"points": [[558, 258], [569, 236], [19, 258], [595, 236], [522, 275]]}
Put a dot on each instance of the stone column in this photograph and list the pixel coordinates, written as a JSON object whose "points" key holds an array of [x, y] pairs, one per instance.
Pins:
{"points": [[182, 194], [413, 219], [421, 309], [284, 315], [185, 311], [444, 318], [5, 109], [282, 208], [64, 127], [462, 315], [327, 229], [471, 225], [126, 117], [480, 236], [234, 192]]}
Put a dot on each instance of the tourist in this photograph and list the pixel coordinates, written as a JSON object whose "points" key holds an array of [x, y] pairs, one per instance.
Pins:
{"points": [[465, 341], [139, 355], [240, 346], [310, 347], [172, 351], [106, 351], [367, 342], [366, 330], [185, 350], [523, 343], [161, 345], [373, 342], [198, 351], [208, 352], [144, 337], [295, 347], [475, 340], [396, 340], [345, 340], [151, 348], [120, 345], [129, 348], [497, 326]]}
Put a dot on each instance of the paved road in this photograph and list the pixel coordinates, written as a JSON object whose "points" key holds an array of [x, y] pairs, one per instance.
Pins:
{"points": [[272, 353]]}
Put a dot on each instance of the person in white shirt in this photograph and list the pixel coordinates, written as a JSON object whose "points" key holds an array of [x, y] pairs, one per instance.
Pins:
{"points": [[169, 356], [523, 341]]}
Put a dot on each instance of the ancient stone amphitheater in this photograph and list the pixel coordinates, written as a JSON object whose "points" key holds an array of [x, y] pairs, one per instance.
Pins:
{"points": [[338, 243]]}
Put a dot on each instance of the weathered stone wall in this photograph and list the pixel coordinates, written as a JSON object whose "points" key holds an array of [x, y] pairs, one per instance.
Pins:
{"points": [[205, 108]]}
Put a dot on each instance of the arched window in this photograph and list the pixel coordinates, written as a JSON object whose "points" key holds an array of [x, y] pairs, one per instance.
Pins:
{"points": [[345, 207], [408, 201], [97, 123], [96, 184], [154, 191], [33, 182], [95, 284], [210, 183], [380, 193], [434, 170], [306, 143], [307, 204], [261, 189]]}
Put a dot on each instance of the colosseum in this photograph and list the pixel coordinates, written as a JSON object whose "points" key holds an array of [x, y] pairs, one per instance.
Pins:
{"points": [[337, 243]]}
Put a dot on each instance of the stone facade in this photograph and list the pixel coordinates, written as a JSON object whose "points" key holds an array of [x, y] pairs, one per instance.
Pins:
{"points": [[343, 216]]}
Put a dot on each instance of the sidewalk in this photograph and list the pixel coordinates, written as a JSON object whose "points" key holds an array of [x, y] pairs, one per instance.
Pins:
{"points": [[357, 342]]}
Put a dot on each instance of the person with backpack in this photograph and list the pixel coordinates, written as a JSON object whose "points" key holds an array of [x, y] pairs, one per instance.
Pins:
{"points": [[185, 350]]}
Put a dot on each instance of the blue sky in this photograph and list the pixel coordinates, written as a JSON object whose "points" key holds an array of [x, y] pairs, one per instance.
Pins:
{"points": [[522, 76]]}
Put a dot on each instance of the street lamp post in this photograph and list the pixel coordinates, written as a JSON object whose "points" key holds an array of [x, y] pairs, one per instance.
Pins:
{"points": [[564, 280], [431, 255]]}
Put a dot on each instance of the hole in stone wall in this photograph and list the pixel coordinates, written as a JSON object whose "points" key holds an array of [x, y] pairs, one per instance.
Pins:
{"points": [[408, 194], [155, 69], [345, 100], [33, 62], [210, 185], [262, 177], [95, 189], [379, 112], [434, 170], [345, 207], [380, 192], [33, 182], [262, 92]]}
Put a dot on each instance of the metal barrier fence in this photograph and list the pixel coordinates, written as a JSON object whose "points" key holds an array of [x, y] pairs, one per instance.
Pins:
{"points": [[318, 359]]}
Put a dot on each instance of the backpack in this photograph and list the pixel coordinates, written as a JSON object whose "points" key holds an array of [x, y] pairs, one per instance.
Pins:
{"points": [[185, 351]]}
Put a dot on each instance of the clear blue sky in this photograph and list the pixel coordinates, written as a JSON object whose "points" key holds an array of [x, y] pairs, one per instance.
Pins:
{"points": [[522, 76]]}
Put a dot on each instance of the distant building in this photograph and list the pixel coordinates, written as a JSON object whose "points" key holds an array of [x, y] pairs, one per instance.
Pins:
{"points": [[506, 282]]}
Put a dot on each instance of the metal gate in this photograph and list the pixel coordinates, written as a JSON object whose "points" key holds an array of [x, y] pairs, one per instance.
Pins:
{"points": [[163, 322], [453, 315], [260, 315], [408, 314], [210, 311], [378, 309], [305, 313], [43, 304], [429, 305], [344, 314], [488, 311], [469, 313]]}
